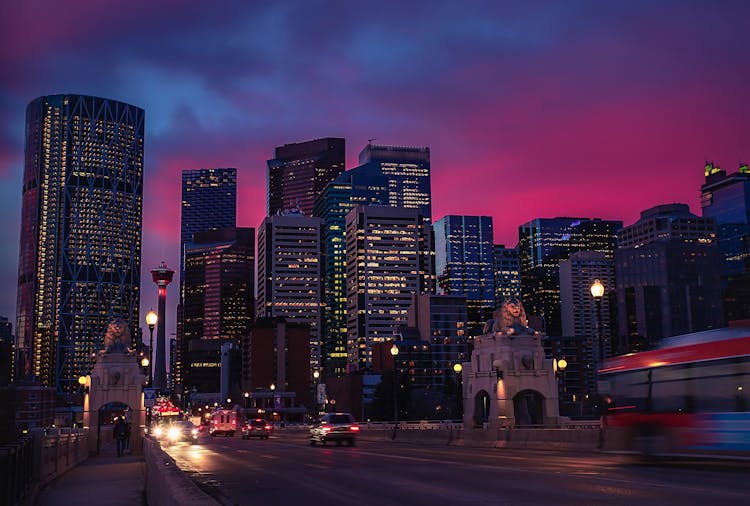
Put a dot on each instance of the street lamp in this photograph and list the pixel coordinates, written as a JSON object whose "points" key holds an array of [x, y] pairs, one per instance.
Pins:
{"points": [[316, 377], [151, 319], [273, 396], [458, 368], [394, 353], [597, 291], [144, 362], [246, 395]]}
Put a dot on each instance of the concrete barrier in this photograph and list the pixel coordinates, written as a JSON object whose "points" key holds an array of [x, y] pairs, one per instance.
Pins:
{"points": [[166, 484]]}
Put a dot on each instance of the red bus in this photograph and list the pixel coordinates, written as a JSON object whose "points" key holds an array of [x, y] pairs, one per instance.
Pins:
{"points": [[688, 397]]}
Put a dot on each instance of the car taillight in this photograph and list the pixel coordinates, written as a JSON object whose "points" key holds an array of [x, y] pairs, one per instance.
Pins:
{"points": [[267, 427], [234, 422], [354, 428], [326, 428]]}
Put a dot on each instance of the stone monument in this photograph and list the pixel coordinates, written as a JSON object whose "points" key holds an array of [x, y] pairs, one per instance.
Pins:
{"points": [[509, 382], [115, 378]]}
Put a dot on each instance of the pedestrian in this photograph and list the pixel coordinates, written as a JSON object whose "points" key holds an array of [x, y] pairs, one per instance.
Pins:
{"points": [[127, 435], [120, 433]]}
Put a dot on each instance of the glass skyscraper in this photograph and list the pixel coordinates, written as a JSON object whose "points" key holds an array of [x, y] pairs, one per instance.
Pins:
{"points": [[219, 301], [464, 265], [368, 184], [300, 171], [507, 273], [726, 199], [80, 249], [545, 242]]}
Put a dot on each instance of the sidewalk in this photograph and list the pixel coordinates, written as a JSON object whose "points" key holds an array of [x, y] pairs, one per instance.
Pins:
{"points": [[105, 479]]}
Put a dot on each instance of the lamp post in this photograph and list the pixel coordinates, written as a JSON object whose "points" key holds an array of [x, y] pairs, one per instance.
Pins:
{"points": [[151, 319], [562, 364], [273, 396], [246, 395], [394, 353], [458, 368], [316, 377], [597, 291]]}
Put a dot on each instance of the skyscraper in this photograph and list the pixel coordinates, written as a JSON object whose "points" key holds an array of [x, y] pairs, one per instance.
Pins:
{"points": [[300, 171], [389, 176], [80, 252], [219, 301], [386, 263], [209, 202], [507, 273], [545, 242], [290, 274], [464, 265], [668, 275], [726, 199], [579, 311], [407, 170]]}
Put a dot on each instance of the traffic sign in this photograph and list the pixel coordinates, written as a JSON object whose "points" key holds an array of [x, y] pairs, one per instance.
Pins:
{"points": [[149, 397]]}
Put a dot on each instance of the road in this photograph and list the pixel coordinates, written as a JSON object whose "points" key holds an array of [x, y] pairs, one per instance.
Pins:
{"points": [[286, 470]]}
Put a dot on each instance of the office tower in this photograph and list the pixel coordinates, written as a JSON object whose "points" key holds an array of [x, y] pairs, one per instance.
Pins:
{"points": [[300, 171], [219, 301], [279, 355], [171, 385], [507, 273], [387, 260], [407, 170], [668, 275], [580, 317], [6, 351], [389, 176], [442, 321], [80, 252], [290, 273], [545, 242], [464, 265], [726, 199], [209, 202]]}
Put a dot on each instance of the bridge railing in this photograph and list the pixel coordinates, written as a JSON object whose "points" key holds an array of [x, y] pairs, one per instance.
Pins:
{"points": [[16, 470]]}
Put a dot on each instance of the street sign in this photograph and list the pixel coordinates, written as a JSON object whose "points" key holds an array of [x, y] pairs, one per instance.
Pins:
{"points": [[149, 397]]}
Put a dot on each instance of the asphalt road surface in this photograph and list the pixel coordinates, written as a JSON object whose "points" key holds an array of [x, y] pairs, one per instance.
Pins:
{"points": [[286, 470]]}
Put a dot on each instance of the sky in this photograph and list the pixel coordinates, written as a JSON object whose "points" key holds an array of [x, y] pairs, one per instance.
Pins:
{"points": [[530, 109]]}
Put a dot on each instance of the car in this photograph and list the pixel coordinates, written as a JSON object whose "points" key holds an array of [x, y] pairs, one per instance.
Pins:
{"points": [[181, 431], [338, 427], [256, 428]]}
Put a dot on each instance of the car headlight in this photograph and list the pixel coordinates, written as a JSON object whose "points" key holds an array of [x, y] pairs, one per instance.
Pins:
{"points": [[173, 433], [158, 431], [194, 432]]}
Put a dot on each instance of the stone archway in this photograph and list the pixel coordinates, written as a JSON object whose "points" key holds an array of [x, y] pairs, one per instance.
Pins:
{"points": [[481, 408], [528, 408]]}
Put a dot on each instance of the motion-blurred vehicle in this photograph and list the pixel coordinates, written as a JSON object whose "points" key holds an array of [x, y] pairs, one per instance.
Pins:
{"points": [[223, 421], [181, 431], [687, 397], [256, 428], [338, 427]]}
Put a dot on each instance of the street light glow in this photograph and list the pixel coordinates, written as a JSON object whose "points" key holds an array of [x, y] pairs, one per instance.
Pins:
{"points": [[562, 364], [316, 374], [145, 362], [151, 318], [597, 289], [394, 350], [457, 368], [81, 380]]}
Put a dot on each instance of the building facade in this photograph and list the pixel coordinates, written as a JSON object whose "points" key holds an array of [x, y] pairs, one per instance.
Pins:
{"points": [[726, 199], [545, 242], [290, 276], [80, 251], [218, 303], [668, 276], [300, 171], [581, 317], [387, 260], [388, 176], [464, 265], [507, 273]]}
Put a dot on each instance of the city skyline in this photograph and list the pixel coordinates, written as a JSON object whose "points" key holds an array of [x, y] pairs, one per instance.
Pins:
{"points": [[511, 132]]}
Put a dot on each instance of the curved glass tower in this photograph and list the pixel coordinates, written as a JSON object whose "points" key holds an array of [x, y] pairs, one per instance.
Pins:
{"points": [[80, 252]]}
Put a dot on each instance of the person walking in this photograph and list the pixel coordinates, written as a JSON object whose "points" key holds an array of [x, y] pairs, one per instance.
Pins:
{"points": [[120, 433], [127, 435]]}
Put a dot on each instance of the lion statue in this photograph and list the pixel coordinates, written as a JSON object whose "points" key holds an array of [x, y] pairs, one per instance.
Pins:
{"points": [[117, 337], [510, 318]]}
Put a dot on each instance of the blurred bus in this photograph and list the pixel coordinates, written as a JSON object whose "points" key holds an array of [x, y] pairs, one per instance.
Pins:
{"points": [[689, 397]]}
